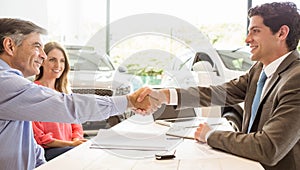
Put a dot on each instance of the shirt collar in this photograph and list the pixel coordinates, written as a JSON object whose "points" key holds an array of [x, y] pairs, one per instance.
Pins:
{"points": [[271, 68], [5, 66]]}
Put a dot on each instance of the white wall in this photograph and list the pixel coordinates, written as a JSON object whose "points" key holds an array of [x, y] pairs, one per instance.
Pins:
{"points": [[32, 10]]}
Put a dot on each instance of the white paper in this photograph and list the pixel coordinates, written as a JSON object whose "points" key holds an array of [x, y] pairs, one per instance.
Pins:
{"points": [[188, 128], [110, 139]]}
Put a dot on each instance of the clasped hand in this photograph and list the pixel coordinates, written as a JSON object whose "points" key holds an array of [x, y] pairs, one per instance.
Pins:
{"points": [[146, 100]]}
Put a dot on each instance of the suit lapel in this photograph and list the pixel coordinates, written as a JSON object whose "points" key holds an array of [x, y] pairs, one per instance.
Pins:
{"points": [[282, 67], [254, 75], [275, 78]]}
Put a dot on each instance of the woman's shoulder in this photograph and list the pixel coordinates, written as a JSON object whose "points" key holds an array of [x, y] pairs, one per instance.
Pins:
{"points": [[37, 82]]}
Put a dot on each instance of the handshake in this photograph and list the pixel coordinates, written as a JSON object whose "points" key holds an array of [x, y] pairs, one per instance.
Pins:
{"points": [[146, 100]]}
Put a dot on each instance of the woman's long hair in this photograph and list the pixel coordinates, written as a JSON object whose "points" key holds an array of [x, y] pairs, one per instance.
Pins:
{"points": [[61, 83]]}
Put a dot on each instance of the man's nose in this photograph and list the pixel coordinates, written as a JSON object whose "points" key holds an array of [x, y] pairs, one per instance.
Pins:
{"points": [[248, 39], [43, 55]]}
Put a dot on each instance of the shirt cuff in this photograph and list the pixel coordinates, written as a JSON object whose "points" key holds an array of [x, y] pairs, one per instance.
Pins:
{"points": [[120, 103], [208, 134], [173, 97]]}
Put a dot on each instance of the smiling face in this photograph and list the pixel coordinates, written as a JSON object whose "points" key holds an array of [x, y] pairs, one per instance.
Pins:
{"points": [[29, 56], [263, 43], [54, 65]]}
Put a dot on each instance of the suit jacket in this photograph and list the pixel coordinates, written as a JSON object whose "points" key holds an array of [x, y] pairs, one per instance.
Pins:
{"points": [[275, 141]]}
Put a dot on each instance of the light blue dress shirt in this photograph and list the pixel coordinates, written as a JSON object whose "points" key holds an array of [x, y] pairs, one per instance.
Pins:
{"points": [[22, 101]]}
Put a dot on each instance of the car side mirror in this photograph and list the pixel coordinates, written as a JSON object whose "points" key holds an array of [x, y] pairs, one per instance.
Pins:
{"points": [[203, 66], [122, 69]]}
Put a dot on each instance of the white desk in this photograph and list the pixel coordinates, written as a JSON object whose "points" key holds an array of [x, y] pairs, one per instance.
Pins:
{"points": [[189, 155]]}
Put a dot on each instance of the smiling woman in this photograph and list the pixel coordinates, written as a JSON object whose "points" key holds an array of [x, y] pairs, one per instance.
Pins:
{"points": [[55, 137], [55, 69]]}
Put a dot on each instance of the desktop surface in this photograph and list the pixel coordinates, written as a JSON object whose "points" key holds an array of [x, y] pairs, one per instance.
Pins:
{"points": [[189, 154]]}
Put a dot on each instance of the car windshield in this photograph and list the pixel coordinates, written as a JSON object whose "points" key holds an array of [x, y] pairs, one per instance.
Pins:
{"points": [[89, 61], [236, 60]]}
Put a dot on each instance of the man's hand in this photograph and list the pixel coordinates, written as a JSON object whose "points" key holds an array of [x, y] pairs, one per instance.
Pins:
{"points": [[146, 100], [162, 95], [201, 132], [143, 107], [156, 97]]}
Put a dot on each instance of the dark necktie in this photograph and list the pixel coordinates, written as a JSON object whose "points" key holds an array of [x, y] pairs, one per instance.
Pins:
{"points": [[256, 101]]}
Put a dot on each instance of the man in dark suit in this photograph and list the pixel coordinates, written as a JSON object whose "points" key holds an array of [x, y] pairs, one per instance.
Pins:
{"points": [[272, 138]]}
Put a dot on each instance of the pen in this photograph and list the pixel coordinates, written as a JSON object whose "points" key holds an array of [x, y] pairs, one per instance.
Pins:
{"points": [[173, 138], [195, 126]]}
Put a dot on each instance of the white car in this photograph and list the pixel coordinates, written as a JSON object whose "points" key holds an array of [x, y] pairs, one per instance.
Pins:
{"points": [[90, 70], [92, 73], [211, 68]]}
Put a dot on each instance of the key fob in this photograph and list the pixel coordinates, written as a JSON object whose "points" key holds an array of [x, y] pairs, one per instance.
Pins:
{"points": [[164, 156]]}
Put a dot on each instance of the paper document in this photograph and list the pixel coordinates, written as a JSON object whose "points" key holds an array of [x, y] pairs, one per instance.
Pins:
{"points": [[183, 132], [181, 121], [110, 139], [187, 129]]}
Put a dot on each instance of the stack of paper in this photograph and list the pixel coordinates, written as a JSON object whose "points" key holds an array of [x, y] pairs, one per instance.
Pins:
{"points": [[132, 144]]}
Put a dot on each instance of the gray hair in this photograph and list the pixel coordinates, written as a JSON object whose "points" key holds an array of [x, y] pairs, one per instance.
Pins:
{"points": [[17, 30]]}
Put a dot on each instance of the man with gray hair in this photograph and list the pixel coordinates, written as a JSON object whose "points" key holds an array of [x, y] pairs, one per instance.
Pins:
{"points": [[22, 101]]}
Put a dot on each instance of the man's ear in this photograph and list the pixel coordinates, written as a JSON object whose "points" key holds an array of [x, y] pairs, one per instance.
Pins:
{"points": [[283, 32], [8, 45]]}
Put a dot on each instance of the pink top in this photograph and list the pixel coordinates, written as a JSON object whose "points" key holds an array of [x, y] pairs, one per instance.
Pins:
{"points": [[46, 132]]}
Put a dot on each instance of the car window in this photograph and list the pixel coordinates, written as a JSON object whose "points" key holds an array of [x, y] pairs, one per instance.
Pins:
{"points": [[89, 61], [235, 60]]}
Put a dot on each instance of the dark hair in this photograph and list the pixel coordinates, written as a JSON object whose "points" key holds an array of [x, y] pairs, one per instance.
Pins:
{"points": [[61, 83], [17, 29], [277, 14]]}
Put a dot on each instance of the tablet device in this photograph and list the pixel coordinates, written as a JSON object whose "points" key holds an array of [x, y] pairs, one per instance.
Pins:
{"points": [[168, 115]]}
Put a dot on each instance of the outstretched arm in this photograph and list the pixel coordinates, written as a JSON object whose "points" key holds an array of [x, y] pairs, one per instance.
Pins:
{"points": [[162, 95], [150, 97]]}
